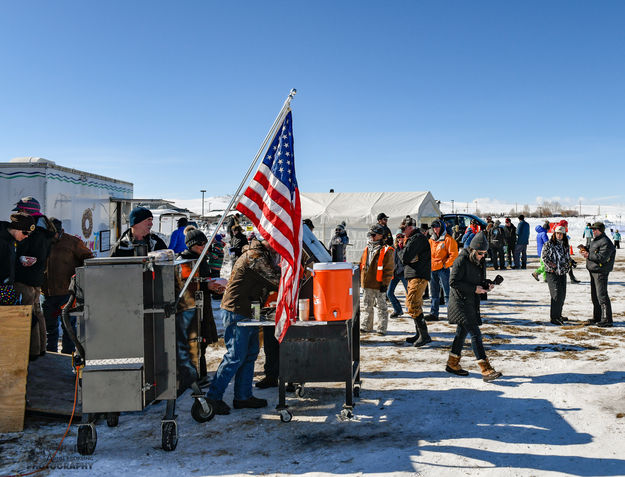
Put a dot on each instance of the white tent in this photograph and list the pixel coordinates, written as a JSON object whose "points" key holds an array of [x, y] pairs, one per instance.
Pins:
{"points": [[359, 210]]}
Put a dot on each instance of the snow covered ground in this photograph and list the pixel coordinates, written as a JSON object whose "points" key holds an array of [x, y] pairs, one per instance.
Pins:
{"points": [[559, 409]]}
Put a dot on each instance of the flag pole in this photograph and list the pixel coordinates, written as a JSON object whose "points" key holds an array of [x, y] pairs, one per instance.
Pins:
{"points": [[281, 115]]}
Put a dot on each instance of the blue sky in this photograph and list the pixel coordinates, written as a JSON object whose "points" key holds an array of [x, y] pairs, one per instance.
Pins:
{"points": [[467, 99]]}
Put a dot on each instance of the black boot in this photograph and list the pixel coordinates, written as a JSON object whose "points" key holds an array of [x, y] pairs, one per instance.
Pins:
{"points": [[424, 337], [606, 316], [572, 277], [412, 339]]}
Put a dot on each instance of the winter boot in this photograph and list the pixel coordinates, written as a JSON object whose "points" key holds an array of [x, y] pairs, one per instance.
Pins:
{"points": [[488, 373], [557, 321], [431, 317], [606, 316], [424, 337], [572, 277], [412, 339], [453, 366], [535, 275]]}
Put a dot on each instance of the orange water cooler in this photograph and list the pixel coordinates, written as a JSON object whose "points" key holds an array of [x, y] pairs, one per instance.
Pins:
{"points": [[332, 291]]}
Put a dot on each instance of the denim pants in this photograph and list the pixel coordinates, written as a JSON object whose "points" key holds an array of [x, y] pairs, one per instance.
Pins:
{"points": [[241, 352], [390, 293], [52, 313], [187, 372], [520, 256], [476, 341], [439, 277]]}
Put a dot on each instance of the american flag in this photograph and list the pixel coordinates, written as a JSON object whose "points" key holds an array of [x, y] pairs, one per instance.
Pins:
{"points": [[272, 203]]}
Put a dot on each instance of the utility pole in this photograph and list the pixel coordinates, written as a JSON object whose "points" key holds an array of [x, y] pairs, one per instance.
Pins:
{"points": [[580, 207], [202, 191], [476, 207], [452, 206]]}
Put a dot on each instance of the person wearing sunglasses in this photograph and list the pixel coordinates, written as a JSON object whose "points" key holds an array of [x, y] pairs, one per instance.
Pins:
{"points": [[465, 282]]}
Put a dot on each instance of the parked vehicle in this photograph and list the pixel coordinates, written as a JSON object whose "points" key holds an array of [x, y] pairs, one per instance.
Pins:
{"points": [[93, 208], [462, 220]]}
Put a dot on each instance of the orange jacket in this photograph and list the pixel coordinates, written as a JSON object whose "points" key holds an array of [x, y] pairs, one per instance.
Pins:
{"points": [[380, 272], [444, 252]]}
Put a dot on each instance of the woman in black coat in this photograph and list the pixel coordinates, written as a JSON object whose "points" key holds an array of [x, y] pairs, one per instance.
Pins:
{"points": [[465, 282]]}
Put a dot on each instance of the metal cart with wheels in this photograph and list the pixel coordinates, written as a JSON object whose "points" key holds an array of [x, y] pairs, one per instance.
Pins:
{"points": [[127, 339]]}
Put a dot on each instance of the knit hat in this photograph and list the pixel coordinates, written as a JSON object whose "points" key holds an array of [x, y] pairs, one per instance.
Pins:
{"points": [[599, 226], [497, 223], [22, 221], [375, 229], [195, 237], [382, 215], [30, 205], [436, 223], [479, 242], [218, 238], [138, 215], [508, 221], [561, 229]]}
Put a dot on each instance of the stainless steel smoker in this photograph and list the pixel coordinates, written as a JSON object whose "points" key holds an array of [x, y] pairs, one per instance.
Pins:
{"points": [[127, 343]]}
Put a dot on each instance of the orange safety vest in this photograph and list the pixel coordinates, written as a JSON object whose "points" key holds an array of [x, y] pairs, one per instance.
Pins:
{"points": [[380, 272]]}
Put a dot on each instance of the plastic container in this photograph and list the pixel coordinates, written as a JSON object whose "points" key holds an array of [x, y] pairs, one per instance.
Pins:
{"points": [[332, 291], [303, 309]]}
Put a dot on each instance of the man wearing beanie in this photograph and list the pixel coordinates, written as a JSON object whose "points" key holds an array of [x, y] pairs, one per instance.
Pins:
{"points": [[387, 236], [444, 250], [138, 240], [11, 233], [417, 260], [600, 262], [31, 265], [177, 240], [376, 273], [191, 360]]}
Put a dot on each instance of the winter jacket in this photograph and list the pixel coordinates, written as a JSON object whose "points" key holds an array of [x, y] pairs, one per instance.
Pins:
{"points": [[523, 233], [216, 258], [387, 236], [496, 237], [616, 236], [66, 253], [125, 246], [469, 234], [556, 257], [509, 232], [541, 239], [253, 276], [369, 267], [237, 242], [416, 256], [444, 251], [398, 271], [177, 240], [601, 254], [464, 278], [338, 246], [182, 272], [8, 254], [458, 235], [587, 233], [36, 245]]}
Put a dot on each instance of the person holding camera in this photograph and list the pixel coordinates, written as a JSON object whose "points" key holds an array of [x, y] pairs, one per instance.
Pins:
{"points": [[600, 262], [467, 283], [376, 272], [556, 258]]}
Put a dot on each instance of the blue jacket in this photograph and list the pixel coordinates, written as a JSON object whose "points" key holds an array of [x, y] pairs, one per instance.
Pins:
{"points": [[523, 233], [541, 238], [176, 242], [467, 237]]}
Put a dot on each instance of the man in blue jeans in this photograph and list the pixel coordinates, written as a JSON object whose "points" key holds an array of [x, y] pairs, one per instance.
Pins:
{"points": [[523, 238], [254, 275], [444, 251]]}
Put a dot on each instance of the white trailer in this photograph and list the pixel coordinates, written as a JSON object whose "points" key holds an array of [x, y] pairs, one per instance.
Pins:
{"points": [[93, 208]]}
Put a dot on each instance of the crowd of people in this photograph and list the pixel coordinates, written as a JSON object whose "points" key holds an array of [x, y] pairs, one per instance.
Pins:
{"points": [[38, 259]]}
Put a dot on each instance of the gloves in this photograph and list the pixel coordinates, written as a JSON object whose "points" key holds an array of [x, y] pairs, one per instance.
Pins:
{"points": [[383, 288]]}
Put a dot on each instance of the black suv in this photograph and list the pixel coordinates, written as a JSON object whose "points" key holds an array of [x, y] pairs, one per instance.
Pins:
{"points": [[462, 221]]}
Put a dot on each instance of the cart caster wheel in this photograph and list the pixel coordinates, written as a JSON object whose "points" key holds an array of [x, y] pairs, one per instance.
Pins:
{"points": [[112, 419], [356, 391], [87, 439], [285, 415], [300, 392], [169, 435], [346, 414], [200, 413]]}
